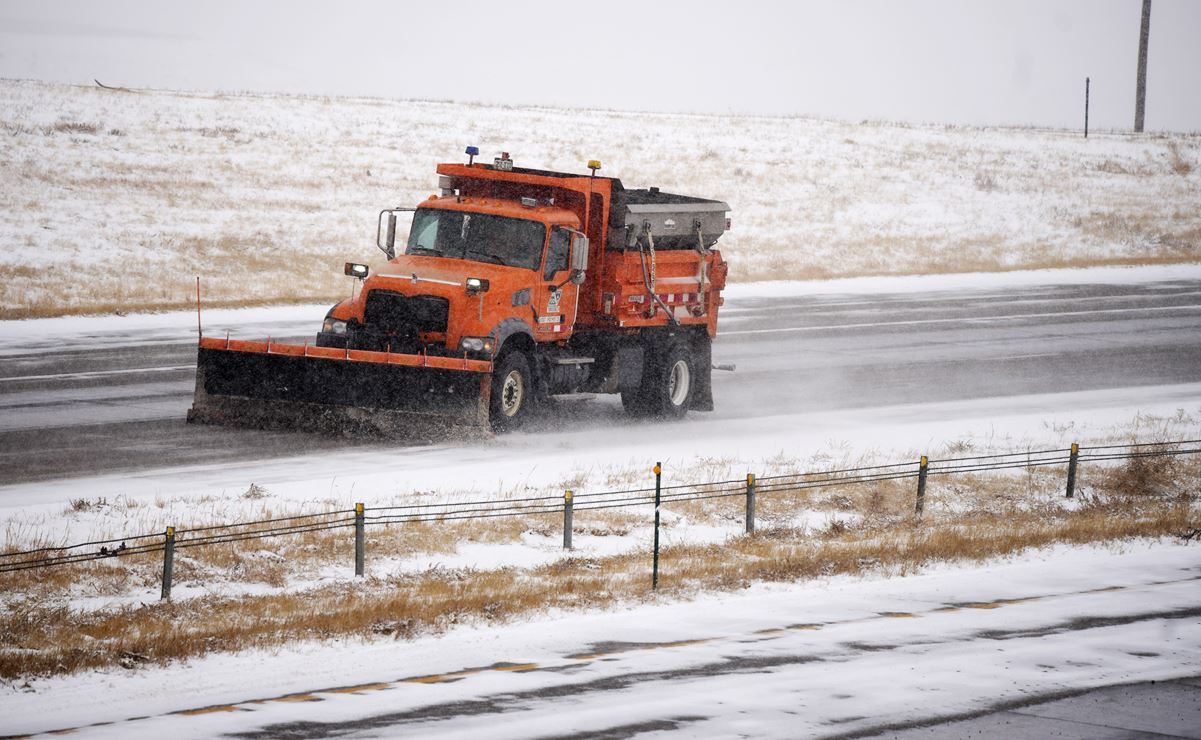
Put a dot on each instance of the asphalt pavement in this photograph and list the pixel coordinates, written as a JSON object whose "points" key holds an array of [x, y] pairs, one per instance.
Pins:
{"points": [[1150, 710], [107, 406]]}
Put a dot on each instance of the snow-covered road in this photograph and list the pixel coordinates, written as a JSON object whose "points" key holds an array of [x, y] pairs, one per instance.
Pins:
{"points": [[836, 360], [843, 655]]}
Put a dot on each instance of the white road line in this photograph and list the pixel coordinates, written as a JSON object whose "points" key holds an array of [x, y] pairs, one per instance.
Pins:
{"points": [[959, 320], [1024, 357], [817, 304], [99, 373]]}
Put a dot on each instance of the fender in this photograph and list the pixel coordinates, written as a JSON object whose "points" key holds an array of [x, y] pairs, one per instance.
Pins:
{"points": [[508, 328]]}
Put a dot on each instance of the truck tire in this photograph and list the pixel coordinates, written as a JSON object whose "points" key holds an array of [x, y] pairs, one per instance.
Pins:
{"points": [[668, 382], [512, 392]]}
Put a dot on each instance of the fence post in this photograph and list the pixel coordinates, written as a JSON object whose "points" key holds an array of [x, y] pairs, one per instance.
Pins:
{"points": [[567, 514], [921, 486], [358, 539], [1072, 469], [168, 562], [750, 503], [655, 569]]}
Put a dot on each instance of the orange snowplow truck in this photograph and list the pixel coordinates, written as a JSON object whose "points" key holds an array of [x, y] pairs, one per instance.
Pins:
{"points": [[516, 286]]}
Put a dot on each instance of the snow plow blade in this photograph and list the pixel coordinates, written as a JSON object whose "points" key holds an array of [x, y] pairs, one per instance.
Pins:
{"points": [[322, 389]]}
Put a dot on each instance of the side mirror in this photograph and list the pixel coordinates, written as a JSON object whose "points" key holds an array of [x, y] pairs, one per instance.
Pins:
{"points": [[579, 258], [385, 231], [390, 240]]}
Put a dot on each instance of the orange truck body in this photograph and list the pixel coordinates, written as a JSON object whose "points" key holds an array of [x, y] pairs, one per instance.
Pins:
{"points": [[517, 286]]}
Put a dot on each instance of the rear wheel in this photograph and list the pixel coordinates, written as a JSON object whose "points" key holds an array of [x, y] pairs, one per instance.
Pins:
{"points": [[512, 392], [635, 402], [668, 381]]}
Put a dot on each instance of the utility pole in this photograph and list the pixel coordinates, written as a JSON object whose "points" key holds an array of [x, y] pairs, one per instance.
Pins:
{"points": [[1140, 95], [1086, 107]]}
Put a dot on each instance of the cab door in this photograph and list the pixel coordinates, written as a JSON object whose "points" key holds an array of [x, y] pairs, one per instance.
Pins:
{"points": [[556, 298]]}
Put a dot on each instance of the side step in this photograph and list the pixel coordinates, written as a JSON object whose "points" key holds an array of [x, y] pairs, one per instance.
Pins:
{"points": [[573, 397]]}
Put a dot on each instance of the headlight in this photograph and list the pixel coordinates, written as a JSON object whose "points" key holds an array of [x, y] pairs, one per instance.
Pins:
{"points": [[334, 326], [476, 344]]}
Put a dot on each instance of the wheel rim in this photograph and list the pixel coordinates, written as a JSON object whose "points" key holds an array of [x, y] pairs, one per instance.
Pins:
{"points": [[512, 393], [678, 382]]}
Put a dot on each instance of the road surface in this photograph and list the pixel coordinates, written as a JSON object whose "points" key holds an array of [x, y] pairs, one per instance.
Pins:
{"points": [[116, 401]]}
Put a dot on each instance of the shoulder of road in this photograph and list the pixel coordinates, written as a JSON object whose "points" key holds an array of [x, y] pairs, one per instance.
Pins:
{"points": [[1151, 709]]}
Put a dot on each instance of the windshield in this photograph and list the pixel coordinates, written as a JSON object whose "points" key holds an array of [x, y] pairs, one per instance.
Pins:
{"points": [[474, 236]]}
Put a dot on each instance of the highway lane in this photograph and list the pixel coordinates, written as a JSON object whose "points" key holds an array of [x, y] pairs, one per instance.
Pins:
{"points": [[117, 403], [836, 353]]}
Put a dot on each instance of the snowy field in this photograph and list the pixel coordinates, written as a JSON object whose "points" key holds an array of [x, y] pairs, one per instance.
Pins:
{"points": [[113, 200]]}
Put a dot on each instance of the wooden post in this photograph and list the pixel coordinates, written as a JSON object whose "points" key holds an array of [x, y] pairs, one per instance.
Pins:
{"points": [[1140, 92], [1086, 107]]}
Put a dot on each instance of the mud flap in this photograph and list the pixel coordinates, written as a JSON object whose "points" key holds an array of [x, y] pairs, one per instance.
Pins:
{"points": [[340, 392], [702, 394]]}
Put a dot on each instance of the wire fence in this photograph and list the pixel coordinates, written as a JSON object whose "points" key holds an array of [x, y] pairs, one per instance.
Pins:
{"points": [[569, 503]]}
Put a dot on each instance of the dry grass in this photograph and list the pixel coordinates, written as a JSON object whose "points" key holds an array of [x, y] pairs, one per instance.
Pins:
{"points": [[243, 267], [871, 528], [1177, 162]]}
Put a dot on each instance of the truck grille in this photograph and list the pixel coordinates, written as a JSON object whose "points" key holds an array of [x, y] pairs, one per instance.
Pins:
{"points": [[396, 313]]}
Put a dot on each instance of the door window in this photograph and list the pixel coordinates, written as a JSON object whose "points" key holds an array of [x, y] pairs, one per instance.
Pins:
{"points": [[558, 256]]}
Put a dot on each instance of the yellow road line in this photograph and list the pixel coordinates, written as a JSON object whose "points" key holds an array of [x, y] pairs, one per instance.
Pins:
{"points": [[209, 710], [439, 677], [357, 689], [516, 667], [296, 697]]}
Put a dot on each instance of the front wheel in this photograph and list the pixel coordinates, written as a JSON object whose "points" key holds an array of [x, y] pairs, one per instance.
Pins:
{"points": [[512, 392]]}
